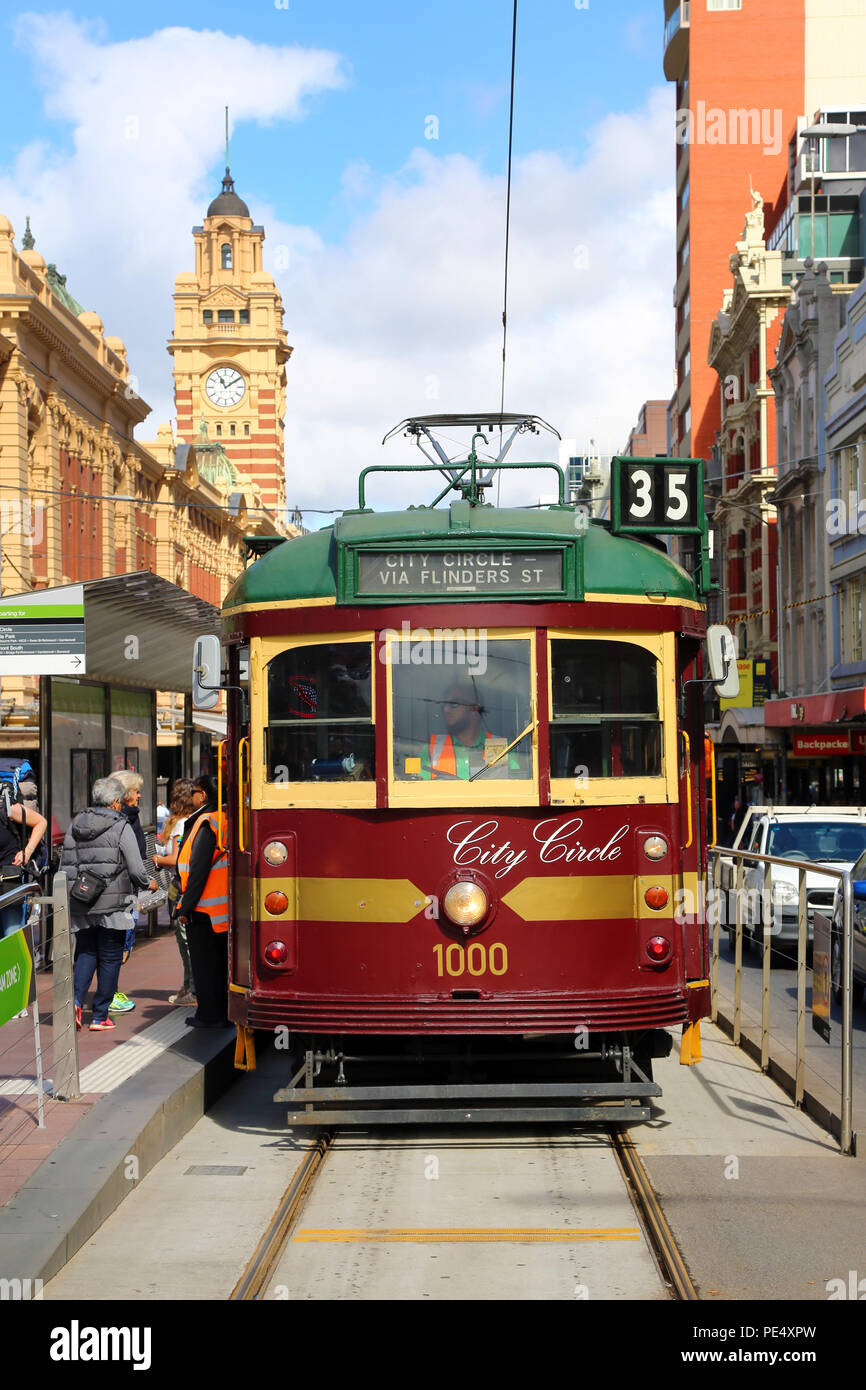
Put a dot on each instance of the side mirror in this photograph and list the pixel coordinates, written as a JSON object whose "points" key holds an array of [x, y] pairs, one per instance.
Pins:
{"points": [[722, 652], [206, 672]]}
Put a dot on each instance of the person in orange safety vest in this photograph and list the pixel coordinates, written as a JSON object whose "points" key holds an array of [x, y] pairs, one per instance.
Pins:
{"points": [[465, 748], [202, 867]]}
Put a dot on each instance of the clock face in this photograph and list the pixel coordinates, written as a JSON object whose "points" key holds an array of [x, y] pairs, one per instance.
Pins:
{"points": [[225, 387]]}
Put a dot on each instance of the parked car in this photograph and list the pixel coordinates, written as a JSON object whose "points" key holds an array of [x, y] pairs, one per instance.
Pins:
{"points": [[835, 837], [859, 887]]}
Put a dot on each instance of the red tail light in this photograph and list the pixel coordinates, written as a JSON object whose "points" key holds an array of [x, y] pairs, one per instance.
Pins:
{"points": [[658, 948], [276, 953]]}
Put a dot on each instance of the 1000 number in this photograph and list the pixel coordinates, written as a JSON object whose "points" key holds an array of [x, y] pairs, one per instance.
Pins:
{"points": [[453, 960]]}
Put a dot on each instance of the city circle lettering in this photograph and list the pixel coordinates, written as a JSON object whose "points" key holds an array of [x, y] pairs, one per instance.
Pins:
{"points": [[559, 843], [380, 572]]}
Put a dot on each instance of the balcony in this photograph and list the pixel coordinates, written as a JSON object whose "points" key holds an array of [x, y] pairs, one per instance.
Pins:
{"points": [[222, 330], [676, 44]]}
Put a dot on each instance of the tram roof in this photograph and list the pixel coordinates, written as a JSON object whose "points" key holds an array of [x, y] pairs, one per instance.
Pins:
{"points": [[306, 566]]}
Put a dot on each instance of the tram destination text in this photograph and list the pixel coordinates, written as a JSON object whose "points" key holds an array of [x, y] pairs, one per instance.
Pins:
{"points": [[410, 572]]}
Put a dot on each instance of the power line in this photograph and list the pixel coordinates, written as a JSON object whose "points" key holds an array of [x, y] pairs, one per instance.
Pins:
{"points": [[507, 235]]}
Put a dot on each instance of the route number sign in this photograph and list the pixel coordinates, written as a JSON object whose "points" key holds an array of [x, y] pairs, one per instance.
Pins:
{"points": [[659, 496]]}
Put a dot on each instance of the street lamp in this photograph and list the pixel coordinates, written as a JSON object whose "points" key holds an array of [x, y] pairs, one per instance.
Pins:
{"points": [[823, 130]]}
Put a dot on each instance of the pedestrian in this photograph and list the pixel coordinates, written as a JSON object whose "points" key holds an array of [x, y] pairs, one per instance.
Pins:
{"points": [[132, 782], [181, 807], [101, 842], [14, 855], [204, 906]]}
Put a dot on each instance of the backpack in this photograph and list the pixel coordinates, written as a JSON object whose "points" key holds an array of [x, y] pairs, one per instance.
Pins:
{"points": [[12, 774]]}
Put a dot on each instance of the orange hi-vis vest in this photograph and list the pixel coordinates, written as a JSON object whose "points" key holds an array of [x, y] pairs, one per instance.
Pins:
{"points": [[214, 900], [443, 758]]}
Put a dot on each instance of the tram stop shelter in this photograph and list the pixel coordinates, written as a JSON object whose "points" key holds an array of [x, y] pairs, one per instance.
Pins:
{"points": [[132, 635]]}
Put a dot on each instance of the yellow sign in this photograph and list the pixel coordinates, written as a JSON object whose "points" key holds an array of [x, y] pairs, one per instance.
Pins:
{"points": [[745, 698]]}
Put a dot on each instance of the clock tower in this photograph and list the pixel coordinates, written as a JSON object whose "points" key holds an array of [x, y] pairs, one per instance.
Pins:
{"points": [[229, 347]]}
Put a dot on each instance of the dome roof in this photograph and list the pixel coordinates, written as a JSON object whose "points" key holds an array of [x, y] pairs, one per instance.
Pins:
{"points": [[227, 203]]}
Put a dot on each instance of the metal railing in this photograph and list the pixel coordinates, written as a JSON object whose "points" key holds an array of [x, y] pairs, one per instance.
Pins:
{"points": [[740, 858]]}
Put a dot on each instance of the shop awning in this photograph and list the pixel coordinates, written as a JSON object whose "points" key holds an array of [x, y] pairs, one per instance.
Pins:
{"points": [[836, 707], [746, 726]]}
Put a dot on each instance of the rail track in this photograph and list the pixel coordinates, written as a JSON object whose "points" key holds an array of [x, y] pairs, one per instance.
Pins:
{"points": [[275, 1244]]}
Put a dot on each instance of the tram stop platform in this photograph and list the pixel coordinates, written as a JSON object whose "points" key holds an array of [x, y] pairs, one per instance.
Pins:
{"points": [[143, 1086], [759, 1199]]}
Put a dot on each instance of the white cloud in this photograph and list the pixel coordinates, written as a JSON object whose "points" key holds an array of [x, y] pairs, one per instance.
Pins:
{"points": [[402, 317]]}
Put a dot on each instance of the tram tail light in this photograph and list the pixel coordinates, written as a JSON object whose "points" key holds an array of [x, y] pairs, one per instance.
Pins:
{"points": [[276, 902], [658, 948], [656, 898], [276, 953]]}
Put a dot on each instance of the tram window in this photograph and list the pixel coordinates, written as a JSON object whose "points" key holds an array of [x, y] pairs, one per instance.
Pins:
{"points": [[452, 717], [605, 710], [320, 725]]}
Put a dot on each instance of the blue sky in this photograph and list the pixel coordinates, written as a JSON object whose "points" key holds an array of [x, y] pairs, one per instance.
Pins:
{"points": [[343, 166]]}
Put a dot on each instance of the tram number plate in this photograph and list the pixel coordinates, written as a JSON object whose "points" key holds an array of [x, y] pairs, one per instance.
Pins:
{"points": [[658, 495], [475, 959]]}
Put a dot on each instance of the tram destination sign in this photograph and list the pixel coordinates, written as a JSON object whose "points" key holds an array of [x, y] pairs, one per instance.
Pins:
{"points": [[448, 573]]}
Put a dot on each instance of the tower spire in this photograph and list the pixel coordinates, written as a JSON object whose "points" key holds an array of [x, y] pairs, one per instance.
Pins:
{"points": [[227, 140], [28, 241]]}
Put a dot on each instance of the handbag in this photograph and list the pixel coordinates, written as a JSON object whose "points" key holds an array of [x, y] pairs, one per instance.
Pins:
{"points": [[87, 887]]}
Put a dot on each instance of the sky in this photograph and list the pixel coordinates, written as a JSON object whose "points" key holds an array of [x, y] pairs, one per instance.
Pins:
{"points": [[371, 142]]}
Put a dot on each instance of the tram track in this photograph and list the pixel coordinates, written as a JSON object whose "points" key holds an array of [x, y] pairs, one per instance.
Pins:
{"points": [[671, 1267]]}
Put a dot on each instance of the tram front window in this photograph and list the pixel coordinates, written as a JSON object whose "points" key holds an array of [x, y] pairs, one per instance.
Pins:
{"points": [[320, 725], [605, 710], [456, 709]]}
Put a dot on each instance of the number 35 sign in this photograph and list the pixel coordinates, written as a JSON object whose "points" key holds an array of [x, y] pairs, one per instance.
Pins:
{"points": [[657, 495]]}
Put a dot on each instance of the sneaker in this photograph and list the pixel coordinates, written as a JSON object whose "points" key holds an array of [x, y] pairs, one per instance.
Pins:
{"points": [[184, 999], [102, 1026], [23, 1014], [78, 1018], [121, 1004]]}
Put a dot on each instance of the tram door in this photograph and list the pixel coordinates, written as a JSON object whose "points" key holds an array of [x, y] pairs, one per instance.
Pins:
{"points": [[239, 820]]}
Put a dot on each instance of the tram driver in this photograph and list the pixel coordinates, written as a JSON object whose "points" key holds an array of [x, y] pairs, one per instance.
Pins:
{"points": [[466, 747]]}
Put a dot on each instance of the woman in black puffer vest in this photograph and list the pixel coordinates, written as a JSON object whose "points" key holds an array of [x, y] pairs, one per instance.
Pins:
{"points": [[102, 840]]}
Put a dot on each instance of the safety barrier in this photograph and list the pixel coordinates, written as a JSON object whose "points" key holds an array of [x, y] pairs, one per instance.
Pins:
{"points": [[739, 859]]}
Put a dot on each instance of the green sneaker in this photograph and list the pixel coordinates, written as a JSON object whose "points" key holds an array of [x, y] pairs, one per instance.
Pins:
{"points": [[121, 1004]]}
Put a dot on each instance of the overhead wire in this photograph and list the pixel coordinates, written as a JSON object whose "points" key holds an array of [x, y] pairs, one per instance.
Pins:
{"points": [[507, 237]]}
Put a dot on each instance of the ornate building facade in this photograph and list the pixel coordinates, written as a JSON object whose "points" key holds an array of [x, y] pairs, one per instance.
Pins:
{"points": [[229, 347]]}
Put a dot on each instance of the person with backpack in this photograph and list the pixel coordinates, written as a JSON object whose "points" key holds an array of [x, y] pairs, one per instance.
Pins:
{"points": [[15, 855], [101, 858]]}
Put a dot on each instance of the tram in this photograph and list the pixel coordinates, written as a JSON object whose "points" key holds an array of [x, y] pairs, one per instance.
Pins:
{"points": [[465, 805]]}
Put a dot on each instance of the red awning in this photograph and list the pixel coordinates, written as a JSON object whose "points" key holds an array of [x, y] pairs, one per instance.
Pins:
{"points": [[838, 707]]}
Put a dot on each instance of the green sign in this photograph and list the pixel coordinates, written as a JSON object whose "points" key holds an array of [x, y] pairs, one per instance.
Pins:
{"points": [[17, 978]]}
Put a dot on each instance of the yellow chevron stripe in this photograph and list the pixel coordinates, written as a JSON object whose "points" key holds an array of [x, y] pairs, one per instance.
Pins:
{"points": [[450, 1234], [342, 899]]}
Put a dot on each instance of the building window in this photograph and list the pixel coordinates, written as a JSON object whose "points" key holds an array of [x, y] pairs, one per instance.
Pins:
{"points": [[724, 4], [246, 429], [207, 315], [225, 315], [244, 316], [219, 429], [225, 256], [232, 430]]}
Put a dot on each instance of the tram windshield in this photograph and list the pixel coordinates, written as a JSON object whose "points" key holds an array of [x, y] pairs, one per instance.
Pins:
{"points": [[605, 710], [459, 710], [320, 726]]}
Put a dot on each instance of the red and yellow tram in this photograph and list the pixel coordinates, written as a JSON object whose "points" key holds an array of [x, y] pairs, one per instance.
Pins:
{"points": [[463, 813]]}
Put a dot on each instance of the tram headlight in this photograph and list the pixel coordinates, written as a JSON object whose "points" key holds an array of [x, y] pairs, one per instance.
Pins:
{"points": [[275, 853], [465, 904], [655, 847]]}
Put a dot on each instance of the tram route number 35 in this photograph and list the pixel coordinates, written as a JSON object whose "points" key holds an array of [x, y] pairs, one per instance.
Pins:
{"points": [[476, 959]]}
